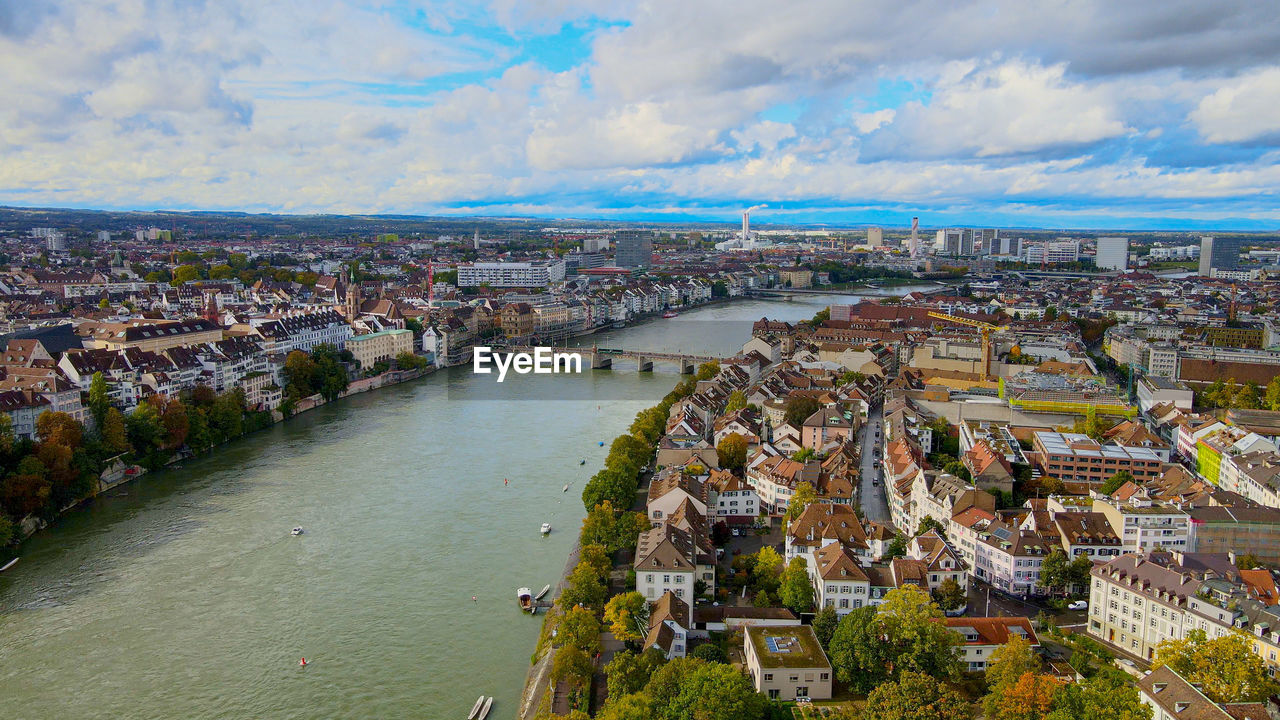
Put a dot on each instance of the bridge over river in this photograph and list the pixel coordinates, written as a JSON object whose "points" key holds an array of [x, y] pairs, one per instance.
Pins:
{"points": [[602, 358]]}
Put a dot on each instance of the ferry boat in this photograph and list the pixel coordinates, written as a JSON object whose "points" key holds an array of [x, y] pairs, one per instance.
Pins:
{"points": [[525, 597]]}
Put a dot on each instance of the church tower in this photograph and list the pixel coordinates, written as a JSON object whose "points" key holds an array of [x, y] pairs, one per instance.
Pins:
{"points": [[353, 297]]}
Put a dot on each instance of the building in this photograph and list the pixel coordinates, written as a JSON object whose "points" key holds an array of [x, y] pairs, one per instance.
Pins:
{"points": [[796, 277], [1053, 252], [1218, 254], [669, 559], [982, 635], [875, 237], [1171, 697], [1143, 523], [1156, 390], [635, 249], [511, 274], [1113, 253], [1073, 457], [369, 349], [150, 335], [786, 662]]}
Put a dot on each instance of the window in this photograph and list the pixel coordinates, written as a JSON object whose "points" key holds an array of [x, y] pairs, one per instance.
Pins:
{"points": [[648, 577]]}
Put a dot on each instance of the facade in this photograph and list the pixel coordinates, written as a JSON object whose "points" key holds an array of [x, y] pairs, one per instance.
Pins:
{"points": [[635, 249], [786, 662], [511, 274], [386, 345], [1218, 254], [1072, 457], [1145, 524], [982, 635], [1113, 253]]}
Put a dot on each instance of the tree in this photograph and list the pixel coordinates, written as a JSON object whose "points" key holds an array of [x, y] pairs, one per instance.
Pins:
{"points": [[585, 587], [711, 653], [708, 370], [184, 274], [1226, 668], [949, 595], [112, 431], [1011, 661], [627, 707], [767, 565], [1101, 697], [897, 547], [1272, 398], [1029, 697], [958, 469], [916, 696], [571, 666], [927, 523], [908, 620], [803, 496], [703, 691], [737, 401], [796, 590], [858, 657], [1115, 482], [579, 628], [824, 625], [299, 374], [732, 452], [99, 399], [1055, 572], [221, 272], [628, 616], [798, 409], [628, 672]]}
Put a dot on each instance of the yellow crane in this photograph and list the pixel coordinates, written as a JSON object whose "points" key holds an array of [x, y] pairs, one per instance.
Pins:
{"points": [[986, 329]]}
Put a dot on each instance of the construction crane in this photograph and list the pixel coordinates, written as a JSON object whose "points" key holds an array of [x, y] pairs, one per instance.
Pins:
{"points": [[985, 327]]}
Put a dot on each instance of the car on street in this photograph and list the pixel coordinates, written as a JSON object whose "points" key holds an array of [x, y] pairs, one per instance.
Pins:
{"points": [[1078, 605]]}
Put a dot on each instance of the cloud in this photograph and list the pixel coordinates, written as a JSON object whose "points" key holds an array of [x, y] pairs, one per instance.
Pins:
{"points": [[1243, 109]]}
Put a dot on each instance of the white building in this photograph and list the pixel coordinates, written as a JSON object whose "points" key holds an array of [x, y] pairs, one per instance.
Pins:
{"points": [[511, 274], [1113, 253]]}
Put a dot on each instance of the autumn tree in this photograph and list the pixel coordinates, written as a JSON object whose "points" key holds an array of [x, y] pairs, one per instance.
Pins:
{"points": [[737, 401], [1030, 697], [798, 408], [803, 496], [628, 616], [949, 595], [1226, 668], [875, 644], [578, 628], [732, 452]]}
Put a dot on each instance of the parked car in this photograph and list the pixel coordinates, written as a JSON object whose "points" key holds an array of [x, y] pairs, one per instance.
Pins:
{"points": [[1078, 605]]}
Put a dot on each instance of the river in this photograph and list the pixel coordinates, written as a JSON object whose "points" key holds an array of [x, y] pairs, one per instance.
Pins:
{"points": [[183, 595]]}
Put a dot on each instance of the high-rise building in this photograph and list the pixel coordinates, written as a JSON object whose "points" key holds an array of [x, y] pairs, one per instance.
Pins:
{"points": [[875, 237], [595, 244], [950, 240], [635, 248], [104, 236], [915, 238], [1113, 253], [1219, 254], [983, 241]]}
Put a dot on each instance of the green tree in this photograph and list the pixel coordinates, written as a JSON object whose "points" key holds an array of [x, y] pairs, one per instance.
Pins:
{"points": [[824, 625], [958, 469], [628, 617], [99, 399], [949, 595], [1272, 398], [916, 696], [796, 591], [1101, 697], [1055, 572], [221, 272], [1114, 482], [711, 653], [732, 452], [113, 432], [875, 644], [184, 274], [927, 523], [708, 370], [627, 707], [628, 672], [1226, 668], [585, 587], [690, 688], [803, 496], [798, 408], [767, 565]]}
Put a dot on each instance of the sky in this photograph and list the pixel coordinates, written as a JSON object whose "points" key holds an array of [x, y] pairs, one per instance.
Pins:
{"points": [[1060, 114]]}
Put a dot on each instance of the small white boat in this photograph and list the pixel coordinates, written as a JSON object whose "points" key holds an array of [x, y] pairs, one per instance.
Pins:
{"points": [[484, 711], [296, 531], [475, 709], [565, 488], [546, 528], [542, 593], [14, 561], [525, 597]]}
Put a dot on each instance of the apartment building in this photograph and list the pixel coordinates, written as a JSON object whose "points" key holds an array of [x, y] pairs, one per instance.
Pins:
{"points": [[787, 662], [511, 274], [1073, 457], [1143, 523], [369, 349]]}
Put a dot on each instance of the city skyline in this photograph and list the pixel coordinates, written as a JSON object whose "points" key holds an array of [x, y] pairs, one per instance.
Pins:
{"points": [[1151, 118]]}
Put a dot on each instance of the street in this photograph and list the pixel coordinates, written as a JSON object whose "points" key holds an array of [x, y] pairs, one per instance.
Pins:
{"points": [[875, 504]]}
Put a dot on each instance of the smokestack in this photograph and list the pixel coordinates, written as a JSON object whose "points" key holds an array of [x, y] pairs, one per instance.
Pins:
{"points": [[915, 237]]}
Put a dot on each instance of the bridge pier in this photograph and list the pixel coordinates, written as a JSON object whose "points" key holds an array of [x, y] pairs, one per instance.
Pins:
{"points": [[643, 364], [601, 362], [688, 366]]}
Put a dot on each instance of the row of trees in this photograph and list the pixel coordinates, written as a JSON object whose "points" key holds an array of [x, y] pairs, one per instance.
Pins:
{"points": [[61, 466], [1249, 396], [322, 371], [644, 688]]}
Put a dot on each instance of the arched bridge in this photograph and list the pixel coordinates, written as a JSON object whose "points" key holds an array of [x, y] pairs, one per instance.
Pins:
{"points": [[602, 358]]}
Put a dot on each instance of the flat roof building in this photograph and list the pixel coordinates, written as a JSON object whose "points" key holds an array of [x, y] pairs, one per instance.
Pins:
{"points": [[786, 662]]}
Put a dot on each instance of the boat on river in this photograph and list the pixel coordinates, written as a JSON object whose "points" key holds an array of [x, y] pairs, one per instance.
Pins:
{"points": [[297, 531], [565, 488], [543, 592], [525, 597], [484, 711], [670, 314], [583, 461], [546, 528], [9, 564], [475, 709]]}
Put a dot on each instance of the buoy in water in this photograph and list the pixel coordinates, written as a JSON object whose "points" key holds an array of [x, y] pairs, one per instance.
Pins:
{"points": [[302, 662], [601, 443]]}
